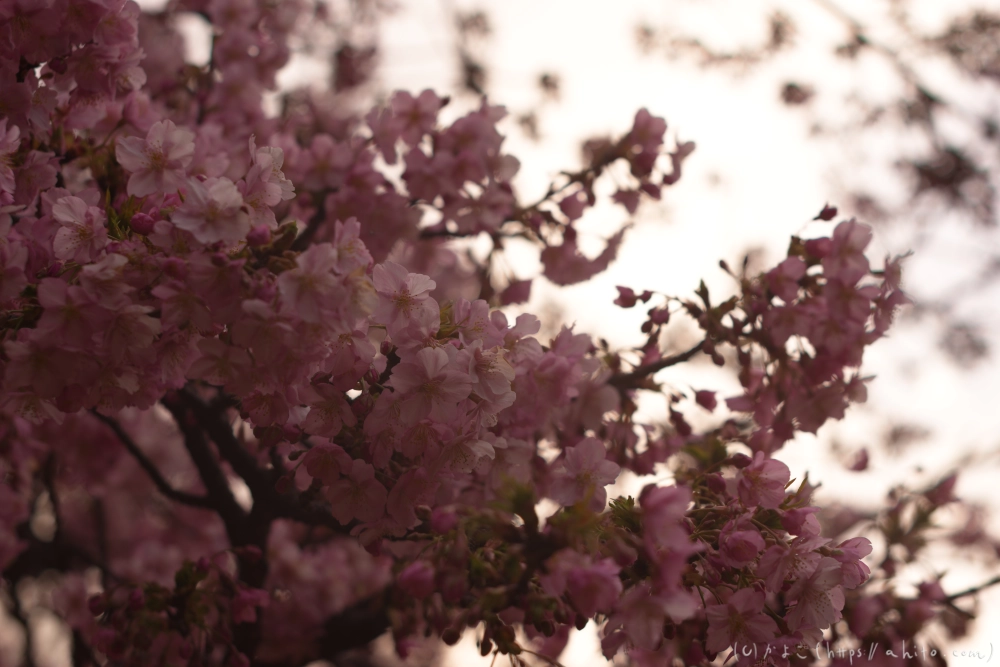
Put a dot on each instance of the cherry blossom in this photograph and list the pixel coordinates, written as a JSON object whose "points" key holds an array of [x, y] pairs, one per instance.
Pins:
{"points": [[213, 211], [157, 163], [763, 482], [267, 387], [740, 620], [583, 475]]}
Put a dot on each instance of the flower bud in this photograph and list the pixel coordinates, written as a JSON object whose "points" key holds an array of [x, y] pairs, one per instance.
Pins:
{"points": [[706, 399], [443, 520], [259, 236], [142, 223], [715, 483], [417, 579], [740, 461]]}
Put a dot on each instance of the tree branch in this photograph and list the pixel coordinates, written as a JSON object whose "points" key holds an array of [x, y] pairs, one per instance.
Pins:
{"points": [[219, 494], [231, 449], [358, 625], [631, 379], [162, 484], [975, 589], [315, 222], [268, 503]]}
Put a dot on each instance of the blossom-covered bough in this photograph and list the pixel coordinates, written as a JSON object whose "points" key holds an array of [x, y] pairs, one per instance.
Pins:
{"points": [[256, 408]]}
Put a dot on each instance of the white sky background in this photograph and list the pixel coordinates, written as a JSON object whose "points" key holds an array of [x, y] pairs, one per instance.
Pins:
{"points": [[755, 179]]}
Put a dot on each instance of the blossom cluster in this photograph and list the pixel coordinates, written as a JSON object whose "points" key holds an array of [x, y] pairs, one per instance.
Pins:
{"points": [[262, 394]]}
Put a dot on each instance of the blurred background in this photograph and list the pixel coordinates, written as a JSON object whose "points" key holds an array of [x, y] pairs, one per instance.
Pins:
{"points": [[887, 109]]}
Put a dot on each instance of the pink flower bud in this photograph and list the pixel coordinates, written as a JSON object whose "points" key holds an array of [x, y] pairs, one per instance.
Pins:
{"points": [[259, 236], [828, 213], [715, 483], [142, 223], [443, 520], [740, 460], [860, 461], [417, 579], [739, 544], [706, 399]]}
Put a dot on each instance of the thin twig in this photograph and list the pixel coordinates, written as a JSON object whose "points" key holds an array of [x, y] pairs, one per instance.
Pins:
{"points": [[629, 380], [154, 473], [975, 589]]}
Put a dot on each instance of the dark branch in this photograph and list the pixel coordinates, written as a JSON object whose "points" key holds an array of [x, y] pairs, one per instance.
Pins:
{"points": [[974, 590], [231, 449], [154, 474], [358, 625], [219, 494], [306, 237], [632, 379]]}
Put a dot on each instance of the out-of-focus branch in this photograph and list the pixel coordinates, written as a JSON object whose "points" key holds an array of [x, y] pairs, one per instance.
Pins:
{"points": [[974, 590], [358, 625], [146, 464]]}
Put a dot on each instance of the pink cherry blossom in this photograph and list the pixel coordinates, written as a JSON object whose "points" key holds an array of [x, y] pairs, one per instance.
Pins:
{"points": [[311, 289], [213, 211], [819, 597], [739, 543], [358, 495], [850, 553], [591, 587], [583, 474], [326, 462], [83, 234], [428, 386], [739, 620], [265, 384], [404, 297], [762, 483], [157, 163], [415, 116], [328, 411]]}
